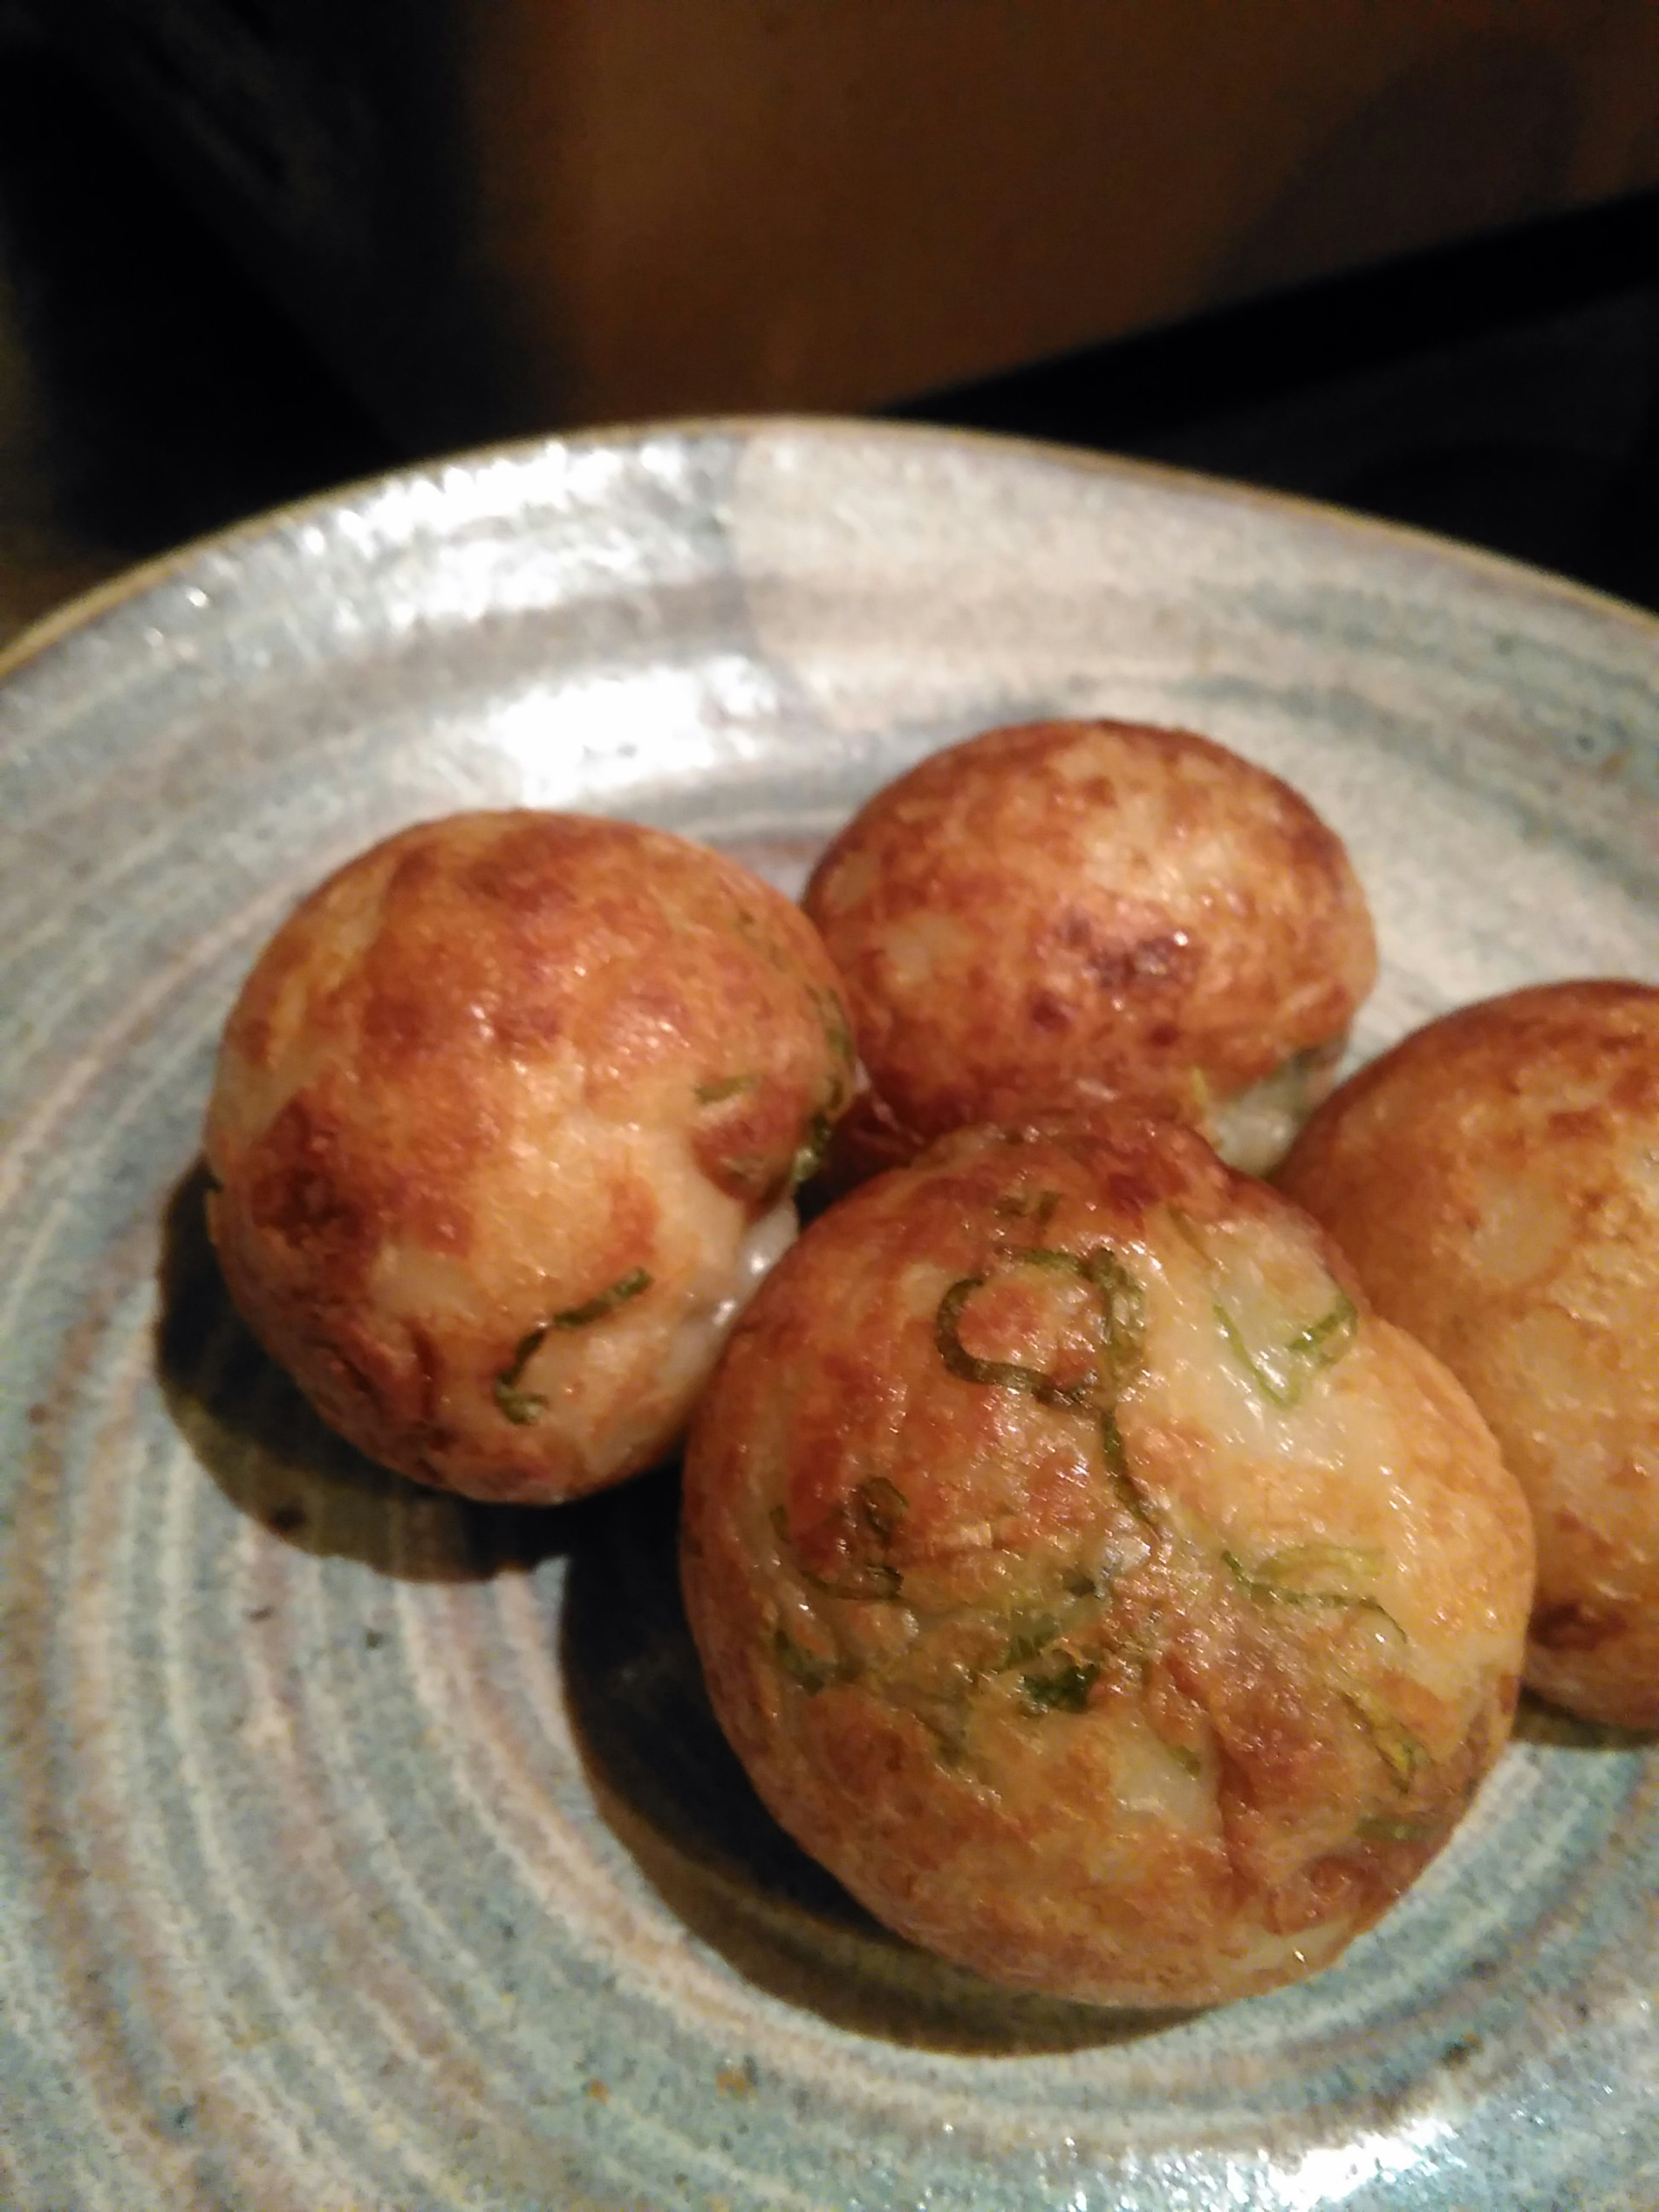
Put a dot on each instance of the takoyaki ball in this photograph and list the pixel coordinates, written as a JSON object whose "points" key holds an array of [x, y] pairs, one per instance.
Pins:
{"points": [[1088, 1580], [1067, 914], [1495, 1182], [506, 1124]]}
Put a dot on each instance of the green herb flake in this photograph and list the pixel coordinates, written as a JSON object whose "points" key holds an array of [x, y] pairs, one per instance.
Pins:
{"points": [[1266, 1584], [1130, 1495], [1373, 1829], [724, 1087], [1026, 1639], [1281, 1373], [871, 1516], [1185, 1758], [1401, 1752], [882, 1506], [1000, 1374], [873, 1581], [1123, 1312], [814, 1144], [1304, 1559], [523, 1408], [1064, 1688], [1324, 1341], [812, 1673], [837, 1030], [630, 1286]]}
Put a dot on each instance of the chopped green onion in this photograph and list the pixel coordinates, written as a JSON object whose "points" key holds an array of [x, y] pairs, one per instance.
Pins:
{"points": [[630, 1286], [524, 1407], [1401, 1752], [1123, 1308], [882, 1506], [837, 1030], [1278, 1372], [1027, 1639], [725, 1086], [879, 1506], [1267, 1588], [1063, 1689], [1281, 1373], [815, 1132], [1130, 1494], [1002, 1374], [1313, 1558], [812, 1673]]}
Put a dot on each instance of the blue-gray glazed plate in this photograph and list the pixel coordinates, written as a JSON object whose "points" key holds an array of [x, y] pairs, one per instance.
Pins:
{"points": [[360, 1848]]}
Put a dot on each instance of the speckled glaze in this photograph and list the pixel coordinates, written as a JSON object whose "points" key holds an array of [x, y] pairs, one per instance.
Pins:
{"points": [[360, 1848]]}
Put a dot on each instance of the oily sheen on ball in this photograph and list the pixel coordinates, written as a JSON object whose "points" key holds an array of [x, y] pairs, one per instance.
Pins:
{"points": [[506, 1126], [1090, 1580], [1072, 915]]}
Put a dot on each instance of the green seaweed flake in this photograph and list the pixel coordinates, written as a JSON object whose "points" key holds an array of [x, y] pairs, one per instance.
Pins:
{"points": [[1280, 1373]]}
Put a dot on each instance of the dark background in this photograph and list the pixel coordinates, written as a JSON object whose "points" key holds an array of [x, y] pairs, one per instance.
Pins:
{"points": [[1504, 392]]}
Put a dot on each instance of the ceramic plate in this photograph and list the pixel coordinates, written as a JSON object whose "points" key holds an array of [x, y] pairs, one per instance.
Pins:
{"points": [[361, 1847]]}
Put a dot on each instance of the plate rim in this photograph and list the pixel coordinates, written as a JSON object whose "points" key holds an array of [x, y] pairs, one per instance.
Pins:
{"points": [[58, 625]]}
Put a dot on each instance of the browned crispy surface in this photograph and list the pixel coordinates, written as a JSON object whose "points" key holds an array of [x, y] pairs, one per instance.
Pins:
{"points": [[1065, 912], [1091, 1634], [1495, 1179], [493, 1070]]}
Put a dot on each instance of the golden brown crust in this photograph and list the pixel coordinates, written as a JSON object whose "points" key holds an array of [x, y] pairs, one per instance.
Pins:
{"points": [[1495, 1179], [1081, 1649], [1068, 912], [497, 1069]]}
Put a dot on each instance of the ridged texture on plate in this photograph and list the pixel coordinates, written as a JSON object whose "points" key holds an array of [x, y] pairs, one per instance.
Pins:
{"points": [[360, 1847]]}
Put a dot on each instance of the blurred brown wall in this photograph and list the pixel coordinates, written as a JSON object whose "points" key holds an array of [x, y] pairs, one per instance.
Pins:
{"points": [[536, 211]]}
